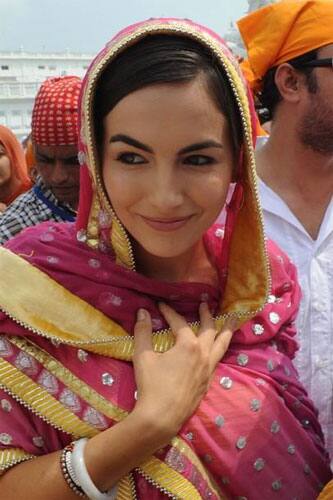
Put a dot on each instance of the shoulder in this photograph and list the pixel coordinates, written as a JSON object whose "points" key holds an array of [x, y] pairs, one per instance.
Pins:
{"points": [[32, 239], [24, 212]]}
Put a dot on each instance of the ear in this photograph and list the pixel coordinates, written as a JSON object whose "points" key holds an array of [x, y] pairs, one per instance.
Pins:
{"points": [[289, 82]]}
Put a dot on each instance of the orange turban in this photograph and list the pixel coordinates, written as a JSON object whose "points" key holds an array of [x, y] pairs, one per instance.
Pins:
{"points": [[284, 30]]}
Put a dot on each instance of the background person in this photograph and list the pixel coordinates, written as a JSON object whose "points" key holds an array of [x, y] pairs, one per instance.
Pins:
{"points": [[54, 138], [14, 178], [290, 52]]}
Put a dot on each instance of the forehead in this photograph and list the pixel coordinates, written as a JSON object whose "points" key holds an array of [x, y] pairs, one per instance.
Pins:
{"points": [[326, 51], [60, 152], [163, 110]]}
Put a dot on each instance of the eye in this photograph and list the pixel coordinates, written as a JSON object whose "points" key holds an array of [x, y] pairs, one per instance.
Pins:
{"points": [[42, 160], [199, 160], [131, 159], [73, 160]]}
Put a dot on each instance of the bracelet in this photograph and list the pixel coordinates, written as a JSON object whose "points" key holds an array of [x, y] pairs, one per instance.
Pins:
{"points": [[67, 470], [83, 477]]}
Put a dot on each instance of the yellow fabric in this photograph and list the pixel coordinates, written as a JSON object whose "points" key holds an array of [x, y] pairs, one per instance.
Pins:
{"points": [[327, 493], [284, 30]]}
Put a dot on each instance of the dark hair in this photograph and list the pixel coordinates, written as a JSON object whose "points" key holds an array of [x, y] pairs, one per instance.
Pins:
{"points": [[269, 96], [164, 59]]}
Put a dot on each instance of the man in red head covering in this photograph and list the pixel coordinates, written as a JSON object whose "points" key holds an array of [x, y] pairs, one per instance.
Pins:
{"points": [[54, 138], [290, 55]]}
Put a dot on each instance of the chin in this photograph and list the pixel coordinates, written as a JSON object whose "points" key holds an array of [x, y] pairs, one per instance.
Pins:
{"points": [[169, 251]]}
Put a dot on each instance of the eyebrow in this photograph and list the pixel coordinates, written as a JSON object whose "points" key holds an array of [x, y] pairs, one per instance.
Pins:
{"points": [[131, 142], [188, 149]]}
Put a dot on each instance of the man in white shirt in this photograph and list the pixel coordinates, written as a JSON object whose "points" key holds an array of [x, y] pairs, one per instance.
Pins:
{"points": [[294, 74]]}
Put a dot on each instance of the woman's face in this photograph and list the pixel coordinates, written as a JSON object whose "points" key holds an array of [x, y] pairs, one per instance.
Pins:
{"points": [[5, 168], [167, 165]]}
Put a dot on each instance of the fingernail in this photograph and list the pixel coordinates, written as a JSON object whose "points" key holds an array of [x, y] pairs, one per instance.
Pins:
{"points": [[142, 314]]}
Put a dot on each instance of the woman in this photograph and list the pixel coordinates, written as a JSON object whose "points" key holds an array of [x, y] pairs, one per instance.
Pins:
{"points": [[14, 178], [165, 128]]}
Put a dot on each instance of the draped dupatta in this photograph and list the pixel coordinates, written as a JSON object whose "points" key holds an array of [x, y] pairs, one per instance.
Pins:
{"points": [[69, 307]]}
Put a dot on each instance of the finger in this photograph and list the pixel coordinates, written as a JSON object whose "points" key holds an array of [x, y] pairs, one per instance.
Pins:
{"points": [[222, 342], [207, 323], [143, 332], [177, 323]]}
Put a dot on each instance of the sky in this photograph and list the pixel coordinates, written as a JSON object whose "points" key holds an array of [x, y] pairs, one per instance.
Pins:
{"points": [[86, 25]]}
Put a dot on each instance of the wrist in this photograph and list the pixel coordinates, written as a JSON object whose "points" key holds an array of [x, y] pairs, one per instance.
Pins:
{"points": [[155, 424]]}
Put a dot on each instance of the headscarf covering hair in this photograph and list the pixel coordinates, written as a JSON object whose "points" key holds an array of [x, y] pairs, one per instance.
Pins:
{"points": [[55, 112], [282, 31], [19, 182]]}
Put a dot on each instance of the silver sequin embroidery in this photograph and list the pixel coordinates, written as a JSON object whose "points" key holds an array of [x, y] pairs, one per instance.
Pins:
{"points": [[274, 317], [259, 464], [107, 379], [241, 442], [258, 329], [226, 382], [242, 359]]}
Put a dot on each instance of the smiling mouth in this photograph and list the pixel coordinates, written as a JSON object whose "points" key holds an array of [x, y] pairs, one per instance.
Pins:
{"points": [[166, 224]]}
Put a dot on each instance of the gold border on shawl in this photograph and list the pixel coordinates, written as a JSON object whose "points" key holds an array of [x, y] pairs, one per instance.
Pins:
{"points": [[126, 488], [40, 402], [169, 479], [12, 456], [44, 309], [186, 450], [43, 312], [74, 383]]}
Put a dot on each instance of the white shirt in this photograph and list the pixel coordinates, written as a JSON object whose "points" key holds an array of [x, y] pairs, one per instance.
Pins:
{"points": [[314, 262]]}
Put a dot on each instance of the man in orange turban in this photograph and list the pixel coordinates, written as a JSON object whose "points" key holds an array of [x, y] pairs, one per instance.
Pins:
{"points": [[290, 56]]}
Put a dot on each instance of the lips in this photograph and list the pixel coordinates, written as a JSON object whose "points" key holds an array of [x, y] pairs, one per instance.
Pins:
{"points": [[166, 224]]}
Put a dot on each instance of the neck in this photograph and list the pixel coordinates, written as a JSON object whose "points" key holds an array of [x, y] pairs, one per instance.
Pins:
{"points": [[192, 266], [303, 178]]}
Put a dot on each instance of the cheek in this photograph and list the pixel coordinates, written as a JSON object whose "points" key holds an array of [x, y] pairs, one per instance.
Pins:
{"points": [[212, 192], [75, 173], [5, 170], [44, 170], [123, 190]]}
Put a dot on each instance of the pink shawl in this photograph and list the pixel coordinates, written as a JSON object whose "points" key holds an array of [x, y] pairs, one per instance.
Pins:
{"points": [[255, 433]]}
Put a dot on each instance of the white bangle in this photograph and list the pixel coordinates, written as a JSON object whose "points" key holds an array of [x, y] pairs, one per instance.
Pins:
{"points": [[83, 476]]}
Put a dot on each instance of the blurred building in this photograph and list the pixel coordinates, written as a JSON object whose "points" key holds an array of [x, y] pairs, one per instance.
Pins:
{"points": [[21, 74]]}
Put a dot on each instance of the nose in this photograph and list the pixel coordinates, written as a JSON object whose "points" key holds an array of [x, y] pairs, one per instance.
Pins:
{"points": [[59, 172], [166, 192]]}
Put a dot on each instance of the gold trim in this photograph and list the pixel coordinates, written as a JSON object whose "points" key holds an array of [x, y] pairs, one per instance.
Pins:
{"points": [[75, 384], [78, 324], [186, 450], [40, 402], [12, 456], [169, 479], [126, 488], [44, 312]]}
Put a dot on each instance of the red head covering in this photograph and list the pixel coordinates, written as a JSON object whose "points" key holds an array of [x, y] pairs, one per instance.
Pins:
{"points": [[19, 181], [55, 113]]}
